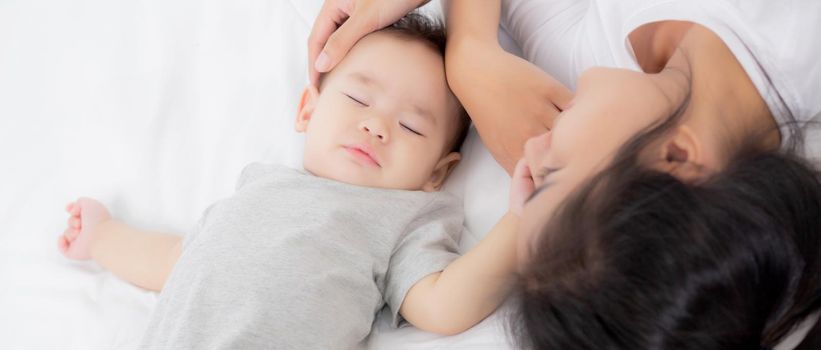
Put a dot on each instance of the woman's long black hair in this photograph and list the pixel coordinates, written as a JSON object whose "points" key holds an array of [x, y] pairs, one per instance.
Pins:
{"points": [[639, 259]]}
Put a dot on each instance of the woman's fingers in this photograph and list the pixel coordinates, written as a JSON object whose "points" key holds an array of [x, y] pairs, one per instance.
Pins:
{"points": [[330, 17], [341, 23], [343, 39]]}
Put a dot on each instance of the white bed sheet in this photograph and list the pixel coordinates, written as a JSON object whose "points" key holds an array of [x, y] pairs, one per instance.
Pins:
{"points": [[154, 107]]}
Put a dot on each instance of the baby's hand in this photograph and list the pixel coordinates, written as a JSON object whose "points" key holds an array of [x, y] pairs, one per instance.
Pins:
{"points": [[521, 186], [84, 215]]}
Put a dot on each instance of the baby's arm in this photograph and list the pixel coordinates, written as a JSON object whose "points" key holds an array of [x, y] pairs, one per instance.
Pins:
{"points": [[141, 257], [470, 288], [474, 285]]}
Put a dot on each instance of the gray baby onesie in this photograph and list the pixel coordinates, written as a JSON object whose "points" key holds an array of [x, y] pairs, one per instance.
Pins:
{"points": [[294, 261]]}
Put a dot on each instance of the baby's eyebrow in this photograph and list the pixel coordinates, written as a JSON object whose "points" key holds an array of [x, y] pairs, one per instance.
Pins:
{"points": [[366, 80], [424, 113]]}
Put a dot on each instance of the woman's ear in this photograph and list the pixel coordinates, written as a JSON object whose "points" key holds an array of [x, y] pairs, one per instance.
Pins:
{"points": [[307, 104], [681, 155], [443, 168]]}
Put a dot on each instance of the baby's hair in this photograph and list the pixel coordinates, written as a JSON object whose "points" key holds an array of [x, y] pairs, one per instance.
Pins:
{"points": [[418, 26], [431, 31], [639, 259]]}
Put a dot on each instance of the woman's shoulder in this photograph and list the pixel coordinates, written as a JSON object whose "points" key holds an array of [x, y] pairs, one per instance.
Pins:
{"points": [[774, 41]]}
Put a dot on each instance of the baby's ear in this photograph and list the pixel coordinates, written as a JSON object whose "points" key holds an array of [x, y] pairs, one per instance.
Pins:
{"points": [[441, 172], [307, 104]]}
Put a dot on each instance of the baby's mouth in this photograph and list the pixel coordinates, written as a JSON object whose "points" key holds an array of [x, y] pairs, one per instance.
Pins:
{"points": [[363, 154]]}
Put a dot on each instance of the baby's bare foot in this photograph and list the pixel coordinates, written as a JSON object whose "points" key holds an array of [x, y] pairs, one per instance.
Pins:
{"points": [[84, 214]]}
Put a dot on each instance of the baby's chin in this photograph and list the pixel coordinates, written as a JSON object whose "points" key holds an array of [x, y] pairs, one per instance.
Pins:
{"points": [[363, 177], [356, 177]]}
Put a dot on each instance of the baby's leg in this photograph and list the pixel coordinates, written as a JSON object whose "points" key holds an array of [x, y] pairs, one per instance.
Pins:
{"points": [[141, 257]]}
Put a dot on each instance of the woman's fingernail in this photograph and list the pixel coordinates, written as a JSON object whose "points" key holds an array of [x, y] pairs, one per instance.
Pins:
{"points": [[321, 63]]}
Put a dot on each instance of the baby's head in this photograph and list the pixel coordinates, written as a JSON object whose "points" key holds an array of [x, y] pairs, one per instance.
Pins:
{"points": [[385, 116]]}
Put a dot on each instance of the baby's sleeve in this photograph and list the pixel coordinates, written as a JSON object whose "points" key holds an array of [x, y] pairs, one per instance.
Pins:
{"points": [[194, 231], [251, 173], [428, 245]]}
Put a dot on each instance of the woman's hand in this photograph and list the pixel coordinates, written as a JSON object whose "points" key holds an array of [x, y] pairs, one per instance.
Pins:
{"points": [[341, 23], [521, 187], [509, 99], [538, 99]]}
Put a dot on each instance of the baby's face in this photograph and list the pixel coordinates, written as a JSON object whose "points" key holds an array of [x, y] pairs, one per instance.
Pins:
{"points": [[384, 117]]}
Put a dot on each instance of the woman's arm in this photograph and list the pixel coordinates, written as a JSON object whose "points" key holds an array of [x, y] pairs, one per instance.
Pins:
{"points": [[508, 98]]}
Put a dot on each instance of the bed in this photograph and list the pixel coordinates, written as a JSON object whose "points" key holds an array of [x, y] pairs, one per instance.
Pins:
{"points": [[154, 107]]}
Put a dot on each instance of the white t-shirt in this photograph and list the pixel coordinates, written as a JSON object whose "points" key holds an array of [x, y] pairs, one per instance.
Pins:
{"points": [[775, 41]]}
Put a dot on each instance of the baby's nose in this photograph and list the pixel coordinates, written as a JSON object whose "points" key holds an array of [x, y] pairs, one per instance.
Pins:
{"points": [[375, 128]]}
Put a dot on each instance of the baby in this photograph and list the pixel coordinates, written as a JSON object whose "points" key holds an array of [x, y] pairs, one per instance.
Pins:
{"points": [[305, 259]]}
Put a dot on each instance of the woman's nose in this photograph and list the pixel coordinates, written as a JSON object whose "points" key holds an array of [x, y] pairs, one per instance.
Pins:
{"points": [[538, 146], [376, 128]]}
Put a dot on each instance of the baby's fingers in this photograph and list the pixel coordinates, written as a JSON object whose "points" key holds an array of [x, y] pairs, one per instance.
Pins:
{"points": [[522, 170], [75, 223], [73, 209], [71, 234], [521, 187], [62, 244]]}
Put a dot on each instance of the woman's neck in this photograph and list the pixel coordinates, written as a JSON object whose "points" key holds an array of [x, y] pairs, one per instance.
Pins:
{"points": [[724, 103], [654, 43]]}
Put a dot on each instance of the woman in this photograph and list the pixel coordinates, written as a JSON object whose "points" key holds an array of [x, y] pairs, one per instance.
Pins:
{"points": [[702, 88], [694, 123]]}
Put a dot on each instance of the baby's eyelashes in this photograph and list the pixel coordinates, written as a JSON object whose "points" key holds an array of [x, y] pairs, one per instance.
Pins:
{"points": [[357, 100], [410, 129]]}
